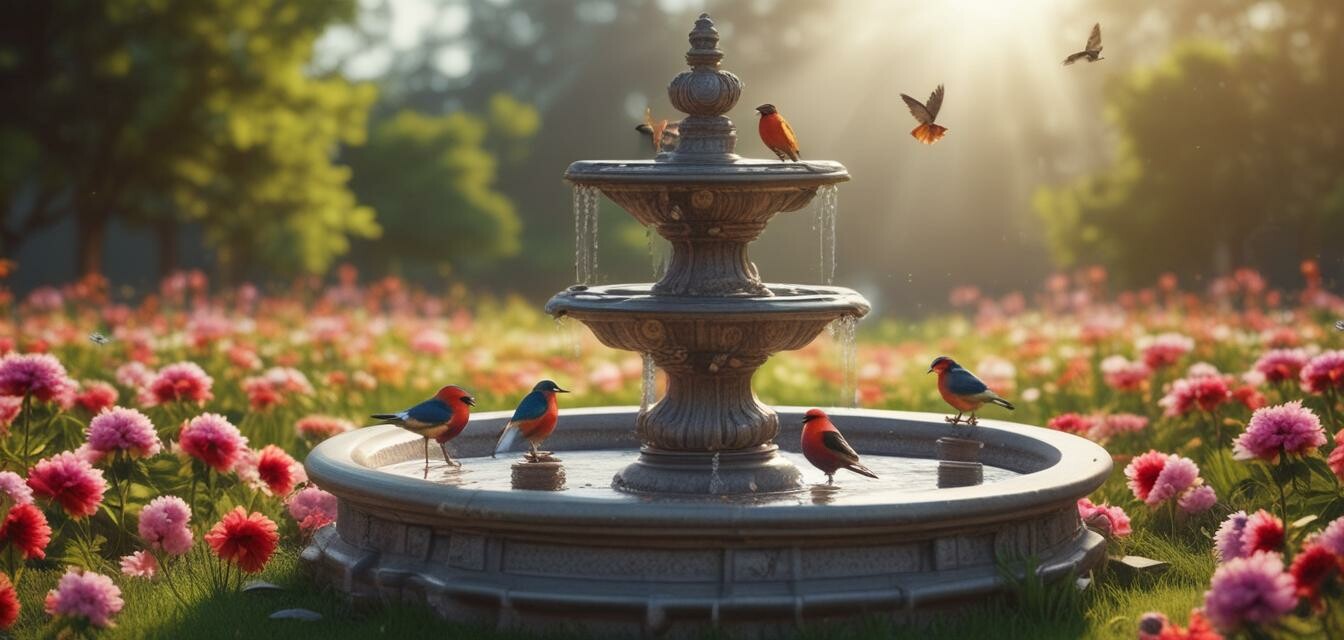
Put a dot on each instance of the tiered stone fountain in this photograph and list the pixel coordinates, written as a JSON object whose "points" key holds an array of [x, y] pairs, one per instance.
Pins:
{"points": [[693, 514]]}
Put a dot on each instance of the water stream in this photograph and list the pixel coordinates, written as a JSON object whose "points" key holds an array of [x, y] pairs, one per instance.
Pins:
{"points": [[827, 206], [568, 335], [649, 393], [715, 482], [660, 251], [586, 200], [844, 330]]}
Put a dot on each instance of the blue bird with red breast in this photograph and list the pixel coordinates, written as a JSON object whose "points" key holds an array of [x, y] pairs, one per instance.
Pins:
{"points": [[441, 418], [961, 389], [826, 449], [534, 420]]}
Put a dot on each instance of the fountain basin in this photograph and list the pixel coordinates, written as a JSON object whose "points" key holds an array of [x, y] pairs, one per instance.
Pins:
{"points": [[617, 562]]}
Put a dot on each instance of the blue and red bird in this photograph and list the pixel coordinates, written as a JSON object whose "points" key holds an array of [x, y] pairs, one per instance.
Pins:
{"points": [[442, 418], [826, 449], [961, 389], [534, 420]]}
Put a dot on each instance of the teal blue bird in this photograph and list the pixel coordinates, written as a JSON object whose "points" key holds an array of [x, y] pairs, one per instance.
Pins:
{"points": [[534, 420]]}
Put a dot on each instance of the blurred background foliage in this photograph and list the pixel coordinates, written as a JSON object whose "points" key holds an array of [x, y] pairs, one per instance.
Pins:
{"points": [[426, 138]]}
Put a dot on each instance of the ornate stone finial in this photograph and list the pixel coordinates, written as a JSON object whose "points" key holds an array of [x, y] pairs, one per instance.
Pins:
{"points": [[705, 93]]}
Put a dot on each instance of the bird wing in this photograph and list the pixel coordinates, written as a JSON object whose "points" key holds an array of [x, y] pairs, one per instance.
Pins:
{"points": [[1094, 40], [964, 383], [431, 411], [788, 136], [508, 436], [917, 110], [935, 103], [533, 406], [837, 445], [1074, 58]]}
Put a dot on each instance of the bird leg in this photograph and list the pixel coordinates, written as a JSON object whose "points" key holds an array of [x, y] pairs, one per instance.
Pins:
{"points": [[973, 420], [443, 446], [830, 479], [952, 420], [534, 455]]}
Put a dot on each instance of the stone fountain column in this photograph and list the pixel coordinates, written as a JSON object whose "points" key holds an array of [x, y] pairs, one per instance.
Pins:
{"points": [[710, 322]]}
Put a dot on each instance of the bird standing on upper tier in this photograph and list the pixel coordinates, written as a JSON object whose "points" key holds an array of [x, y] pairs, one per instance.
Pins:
{"points": [[534, 420], [926, 112], [826, 449], [1091, 50], [777, 134], [442, 418], [961, 389]]}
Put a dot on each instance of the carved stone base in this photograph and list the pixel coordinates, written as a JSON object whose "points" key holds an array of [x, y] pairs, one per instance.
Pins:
{"points": [[755, 470]]}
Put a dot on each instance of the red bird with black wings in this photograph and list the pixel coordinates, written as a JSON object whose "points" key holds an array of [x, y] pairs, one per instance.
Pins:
{"points": [[826, 449]]}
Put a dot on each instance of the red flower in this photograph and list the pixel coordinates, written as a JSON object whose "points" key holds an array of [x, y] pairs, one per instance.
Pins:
{"points": [[1311, 569], [276, 469], [1249, 397], [1071, 423], [1199, 629], [1264, 532], [245, 539], [1336, 459], [26, 528], [9, 603], [1143, 471], [96, 396]]}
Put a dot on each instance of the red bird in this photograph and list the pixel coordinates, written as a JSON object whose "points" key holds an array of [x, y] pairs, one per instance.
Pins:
{"points": [[826, 449], [442, 418], [927, 132], [777, 134], [961, 389]]}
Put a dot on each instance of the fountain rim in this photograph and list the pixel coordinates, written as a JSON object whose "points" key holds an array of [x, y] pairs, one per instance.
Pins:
{"points": [[1076, 467], [745, 172], [639, 298]]}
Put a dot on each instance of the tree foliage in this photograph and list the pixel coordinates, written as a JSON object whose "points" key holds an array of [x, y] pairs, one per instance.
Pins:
{"points": [[154, 111]]}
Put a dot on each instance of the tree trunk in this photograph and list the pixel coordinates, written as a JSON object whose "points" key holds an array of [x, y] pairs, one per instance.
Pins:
{"points": [[169, 254], [92, 230]]}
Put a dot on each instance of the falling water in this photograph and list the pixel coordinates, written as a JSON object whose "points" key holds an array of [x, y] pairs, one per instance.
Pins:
{"points": [[827, 205], [585, 233], [650, 390], [660, 251], [715, 482], [844, 330], [568, 335]]}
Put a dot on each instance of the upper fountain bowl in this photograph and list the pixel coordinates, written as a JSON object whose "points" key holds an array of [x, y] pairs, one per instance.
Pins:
{"points": [[742, 172]]}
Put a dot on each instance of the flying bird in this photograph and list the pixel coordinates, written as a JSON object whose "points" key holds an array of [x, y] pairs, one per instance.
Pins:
{"points": [[662, 134], [927, 132], [961, 389], [98, 338], [442, 418], [1091, 50], [826, 449], [777, 134], [534, 420]]}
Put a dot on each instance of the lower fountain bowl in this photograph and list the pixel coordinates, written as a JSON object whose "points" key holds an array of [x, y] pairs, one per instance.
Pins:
{"points": [[610, 562]]}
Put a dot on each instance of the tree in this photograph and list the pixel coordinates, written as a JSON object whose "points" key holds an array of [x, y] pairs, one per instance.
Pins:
{"points": [[157, 112], [431, 179]]}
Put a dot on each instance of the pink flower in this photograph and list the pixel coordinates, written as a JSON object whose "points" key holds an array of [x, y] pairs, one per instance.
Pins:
{"points": [[1143, 471], [165, 524], [122, 429], [321, 427], [1332, 537], [312, 509], [1253, 590], [95, 396], [1109, 520], [1117, 424], [1336, 458], [15, 490], [1228, 539], [1179, 473], [178, 382], [1123, 375], [9, 410], [1071, 423], [212, 439], [40, 375], [134, 375], [274, 386], [1287, 428], [1197, 500], [87, 595], [1324, 373], [430, 342], [1281, 365], [1202, 370], [140, 564], [72, 482], [1165, 350], [1206, 393]]}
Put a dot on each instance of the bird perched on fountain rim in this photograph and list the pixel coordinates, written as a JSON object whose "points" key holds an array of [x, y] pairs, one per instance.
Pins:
{"points": [[961, 389], [442, 418], [777, 134], [826, 449], [533, 420]]}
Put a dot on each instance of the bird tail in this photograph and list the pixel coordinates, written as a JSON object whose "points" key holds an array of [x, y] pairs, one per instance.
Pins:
{"points": [[862, 470], [1002, 403], [507, 437], [928, 133], [385, 416]]}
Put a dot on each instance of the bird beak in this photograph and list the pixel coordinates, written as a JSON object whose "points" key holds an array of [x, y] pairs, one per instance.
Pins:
{"points": [[807, 419], [930, 370], [559, 390], [471, 402]]}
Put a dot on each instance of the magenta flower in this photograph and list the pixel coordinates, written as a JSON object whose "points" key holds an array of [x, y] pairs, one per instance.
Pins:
{"points": [[1324, 373], [40, 375], [178, 382], [1142, 472], [140, 564], [70, 481], [1206, 393], [85, 595], [212, 439], [1332, 537], [165, 524], [1281, 365], [1227, 540], [1197, 500], [1179, 473], [121, 429], [15, 489], [1288, 428], [1111, 521], [1249, 591]]}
